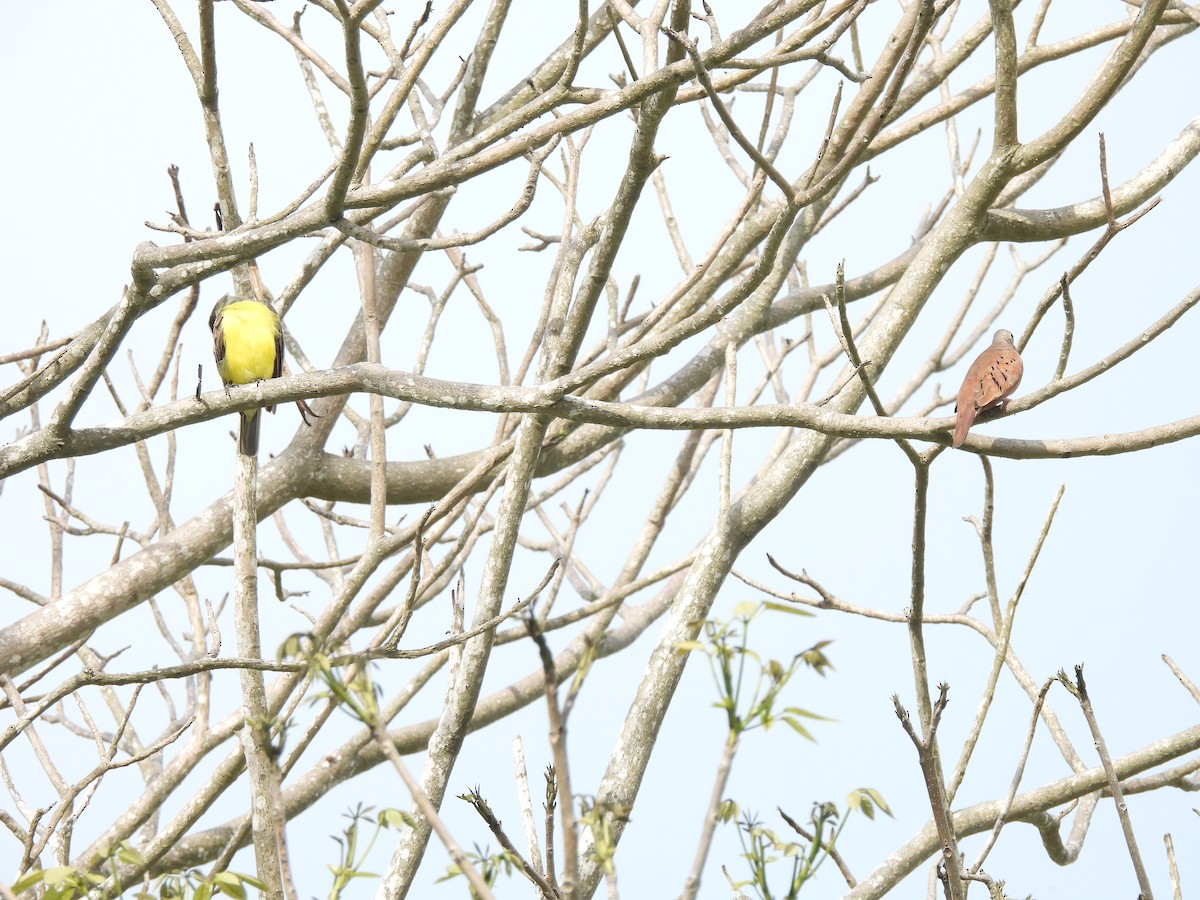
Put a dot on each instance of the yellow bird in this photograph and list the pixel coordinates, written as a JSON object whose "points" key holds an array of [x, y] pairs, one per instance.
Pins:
{"points": [[248, 346]]}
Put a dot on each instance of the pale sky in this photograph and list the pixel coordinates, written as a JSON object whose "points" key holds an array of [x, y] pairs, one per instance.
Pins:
{"points": [[98, 104]]}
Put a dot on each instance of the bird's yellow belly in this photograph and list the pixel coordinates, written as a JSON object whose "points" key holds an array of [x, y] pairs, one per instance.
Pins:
{"points": [[249, 344]]}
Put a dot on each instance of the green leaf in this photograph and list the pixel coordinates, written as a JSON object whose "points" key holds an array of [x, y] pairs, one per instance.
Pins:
{"points": [[57, 875], [129, 854], [230, 884], [24, 884], [797, 711], [800, 729], [865, 800], [815, 658], [394, 818], [250, 880], [786, 608], [292, 647], [747, 609], [689, 646]]}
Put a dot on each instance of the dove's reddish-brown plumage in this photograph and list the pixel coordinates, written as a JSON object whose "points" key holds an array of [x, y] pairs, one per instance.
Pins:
{"points": [[991, 379]]}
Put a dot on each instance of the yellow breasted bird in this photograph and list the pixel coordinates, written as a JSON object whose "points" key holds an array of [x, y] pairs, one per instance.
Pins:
{"points": [[248, 346]]}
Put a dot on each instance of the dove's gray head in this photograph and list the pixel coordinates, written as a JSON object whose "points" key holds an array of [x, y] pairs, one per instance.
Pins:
{"points": [[1003, 336]]}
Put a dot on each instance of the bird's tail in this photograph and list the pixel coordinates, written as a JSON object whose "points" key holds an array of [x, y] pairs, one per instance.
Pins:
{"points": [[966, 418], [248, 432]]}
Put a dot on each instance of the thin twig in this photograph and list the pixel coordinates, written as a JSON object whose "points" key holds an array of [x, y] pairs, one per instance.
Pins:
{"points": [[926, 747], [827, 847], [1079, 689], [1001, 819], [558, 745], [383, 740]]}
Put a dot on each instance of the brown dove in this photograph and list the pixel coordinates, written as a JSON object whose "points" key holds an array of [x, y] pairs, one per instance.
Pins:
{"points": [[989, 382]]}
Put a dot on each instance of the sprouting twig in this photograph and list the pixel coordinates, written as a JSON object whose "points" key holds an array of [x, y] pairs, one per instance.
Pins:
{"points": [[926, 747]]}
